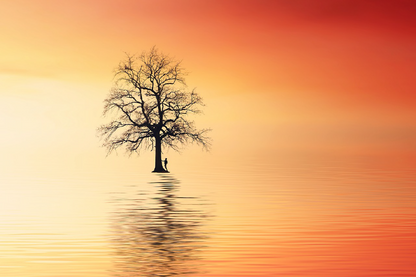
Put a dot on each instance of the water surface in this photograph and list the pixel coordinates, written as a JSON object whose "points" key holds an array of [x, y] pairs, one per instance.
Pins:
{"points": [[303, 216]]}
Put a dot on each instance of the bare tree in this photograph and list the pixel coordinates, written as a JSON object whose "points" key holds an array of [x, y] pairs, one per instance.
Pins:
{"points": [[152, 106]]}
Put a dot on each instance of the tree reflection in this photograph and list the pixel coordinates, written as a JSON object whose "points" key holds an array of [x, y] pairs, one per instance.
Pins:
{"points": [[160, 235]]}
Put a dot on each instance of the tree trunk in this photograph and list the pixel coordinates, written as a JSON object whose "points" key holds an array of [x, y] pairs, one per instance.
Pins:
{"points": [[158, 156]]}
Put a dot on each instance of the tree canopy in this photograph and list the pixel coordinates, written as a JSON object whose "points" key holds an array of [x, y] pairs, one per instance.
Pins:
{"points": [[152, 105]]}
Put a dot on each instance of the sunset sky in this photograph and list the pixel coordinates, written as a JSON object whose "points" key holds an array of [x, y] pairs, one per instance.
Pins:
{"points": [[274, 74]]}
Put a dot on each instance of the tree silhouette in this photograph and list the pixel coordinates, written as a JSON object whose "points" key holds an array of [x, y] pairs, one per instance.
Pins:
{"points": [[152, 104]]}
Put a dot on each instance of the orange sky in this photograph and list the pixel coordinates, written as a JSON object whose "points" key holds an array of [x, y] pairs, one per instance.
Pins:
{"points": [[321, 72]]}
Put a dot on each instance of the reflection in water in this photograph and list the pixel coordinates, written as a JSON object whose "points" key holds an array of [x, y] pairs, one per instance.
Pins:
{"points": [[159, 235]]}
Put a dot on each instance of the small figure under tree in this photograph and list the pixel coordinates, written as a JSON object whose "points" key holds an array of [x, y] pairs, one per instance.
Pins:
{"points": [[166, 163], [152, 104]]}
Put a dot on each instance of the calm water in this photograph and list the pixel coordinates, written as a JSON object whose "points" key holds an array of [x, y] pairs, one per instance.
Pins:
{"points": [[308, 216]]}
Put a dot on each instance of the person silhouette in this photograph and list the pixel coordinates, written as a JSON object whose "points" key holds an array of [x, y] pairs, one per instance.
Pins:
{"points": [[166, 163]]}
